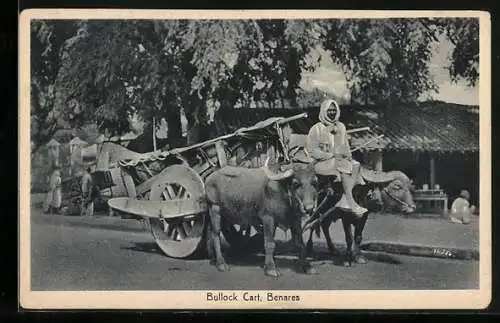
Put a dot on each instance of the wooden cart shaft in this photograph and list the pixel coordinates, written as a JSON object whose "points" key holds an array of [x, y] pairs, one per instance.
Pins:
{"points": [[153, 209]]}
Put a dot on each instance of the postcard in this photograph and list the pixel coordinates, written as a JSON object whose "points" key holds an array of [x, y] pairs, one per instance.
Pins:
{"points": [[254, 159]]}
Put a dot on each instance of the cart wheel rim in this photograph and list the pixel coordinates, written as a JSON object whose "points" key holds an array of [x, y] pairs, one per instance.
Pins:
{"points": [[179, 237], [178, 240]]}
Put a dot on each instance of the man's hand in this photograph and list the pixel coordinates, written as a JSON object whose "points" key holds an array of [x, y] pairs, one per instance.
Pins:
{"points": [[333, 128]]}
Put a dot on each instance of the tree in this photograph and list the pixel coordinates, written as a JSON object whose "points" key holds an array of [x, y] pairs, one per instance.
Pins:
{"points": [[464, 35], [93, 76], [270, 70], [384, 60], [47, 40], [163, 66], [107, 70], [387, 60]]}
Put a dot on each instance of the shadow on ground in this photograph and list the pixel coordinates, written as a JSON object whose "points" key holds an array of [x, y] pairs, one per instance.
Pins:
{"points": [[147, 247], [285, 256]]}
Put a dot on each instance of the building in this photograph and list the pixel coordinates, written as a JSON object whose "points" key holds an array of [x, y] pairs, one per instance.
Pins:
{"points": [[432, 142], [75, 147], [53, 149]]}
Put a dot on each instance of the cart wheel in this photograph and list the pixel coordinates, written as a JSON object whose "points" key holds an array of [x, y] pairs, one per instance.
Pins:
{"points": [[241, 238], [128, 182], [74, 206], [178, 237]]}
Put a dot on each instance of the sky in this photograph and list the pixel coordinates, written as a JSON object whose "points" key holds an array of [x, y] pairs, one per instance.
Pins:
{"points": [[330, 78]]}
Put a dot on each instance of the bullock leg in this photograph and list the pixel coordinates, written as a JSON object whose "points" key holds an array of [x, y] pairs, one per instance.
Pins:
{"points": [[269, 246], [209, 243], [349, 257], [215, 219], [305, 266], [325, 227], [358, 237], [309, 245]]}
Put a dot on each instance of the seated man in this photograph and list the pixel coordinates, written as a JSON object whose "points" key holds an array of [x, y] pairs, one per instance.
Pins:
{"points": [[327, 143], [461, 212]]}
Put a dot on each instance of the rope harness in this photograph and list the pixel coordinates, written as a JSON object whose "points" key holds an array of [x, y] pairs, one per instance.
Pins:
{"points": [[294, 201], [148, 157], [386, 190], [293, 198], [314, 217]]}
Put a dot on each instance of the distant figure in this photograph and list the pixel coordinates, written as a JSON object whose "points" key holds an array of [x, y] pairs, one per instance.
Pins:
{"points": [[87, 208], [54, 197], [461, 212]]}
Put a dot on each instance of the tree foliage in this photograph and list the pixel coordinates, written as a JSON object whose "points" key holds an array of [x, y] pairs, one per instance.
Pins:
{"points": [[160, 66], [47, 40], [387, 60], [93, 75], [464, 35], [104, 71], [270, 69]]}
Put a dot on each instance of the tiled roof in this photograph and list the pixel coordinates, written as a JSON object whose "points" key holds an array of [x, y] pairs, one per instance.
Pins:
{"points": [[430, 126]]}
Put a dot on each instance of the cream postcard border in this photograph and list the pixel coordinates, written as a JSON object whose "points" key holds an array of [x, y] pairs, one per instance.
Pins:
{"points": [[373, 299]]}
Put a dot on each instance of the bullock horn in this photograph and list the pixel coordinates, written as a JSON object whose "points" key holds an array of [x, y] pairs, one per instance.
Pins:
{"points": [[275, 176]]}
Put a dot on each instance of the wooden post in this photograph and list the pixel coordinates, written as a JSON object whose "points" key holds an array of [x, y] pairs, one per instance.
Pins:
{"points": [[432, 168], [378, 160], [154, 134], [221, 154]]}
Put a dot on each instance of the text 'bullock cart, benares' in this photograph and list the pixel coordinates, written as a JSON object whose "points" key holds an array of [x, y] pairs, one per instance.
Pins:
{"points": [[167, 187]]}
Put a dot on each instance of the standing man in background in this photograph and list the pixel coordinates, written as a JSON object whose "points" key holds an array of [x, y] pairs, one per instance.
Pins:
{"points": [[87, 208], [54, 196]]}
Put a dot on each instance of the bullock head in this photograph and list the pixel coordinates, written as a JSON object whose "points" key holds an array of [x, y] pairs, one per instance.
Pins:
{"points": [[397, 195], [299, 183], [374, 201]]}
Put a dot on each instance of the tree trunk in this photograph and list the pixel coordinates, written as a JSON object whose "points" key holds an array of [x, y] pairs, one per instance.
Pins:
{"points": [[197, 121], [174, 127], [193, 135], [144, 142]]}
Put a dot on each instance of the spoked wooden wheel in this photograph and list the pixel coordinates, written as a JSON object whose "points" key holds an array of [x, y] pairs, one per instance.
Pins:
{"points": [[242, 238], [178, 237]]}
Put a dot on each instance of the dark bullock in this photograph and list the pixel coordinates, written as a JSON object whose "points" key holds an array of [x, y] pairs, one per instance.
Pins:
{"points": [[262, 197], [384, 192]]}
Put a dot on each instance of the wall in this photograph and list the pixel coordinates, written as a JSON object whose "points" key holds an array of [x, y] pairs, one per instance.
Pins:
{"points": [[369, 159], [414, 165], [40, 170], [41, 167], [459, 171], [454, 171]]}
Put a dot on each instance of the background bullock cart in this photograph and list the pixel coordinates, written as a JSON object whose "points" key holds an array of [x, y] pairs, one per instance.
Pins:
{"points": [[167, 187]]}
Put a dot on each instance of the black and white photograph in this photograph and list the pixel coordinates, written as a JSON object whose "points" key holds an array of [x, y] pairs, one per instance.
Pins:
{"points": [[254, 159]]}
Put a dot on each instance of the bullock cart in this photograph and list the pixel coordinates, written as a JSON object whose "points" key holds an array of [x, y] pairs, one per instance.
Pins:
{"points": [[166, 188]]}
